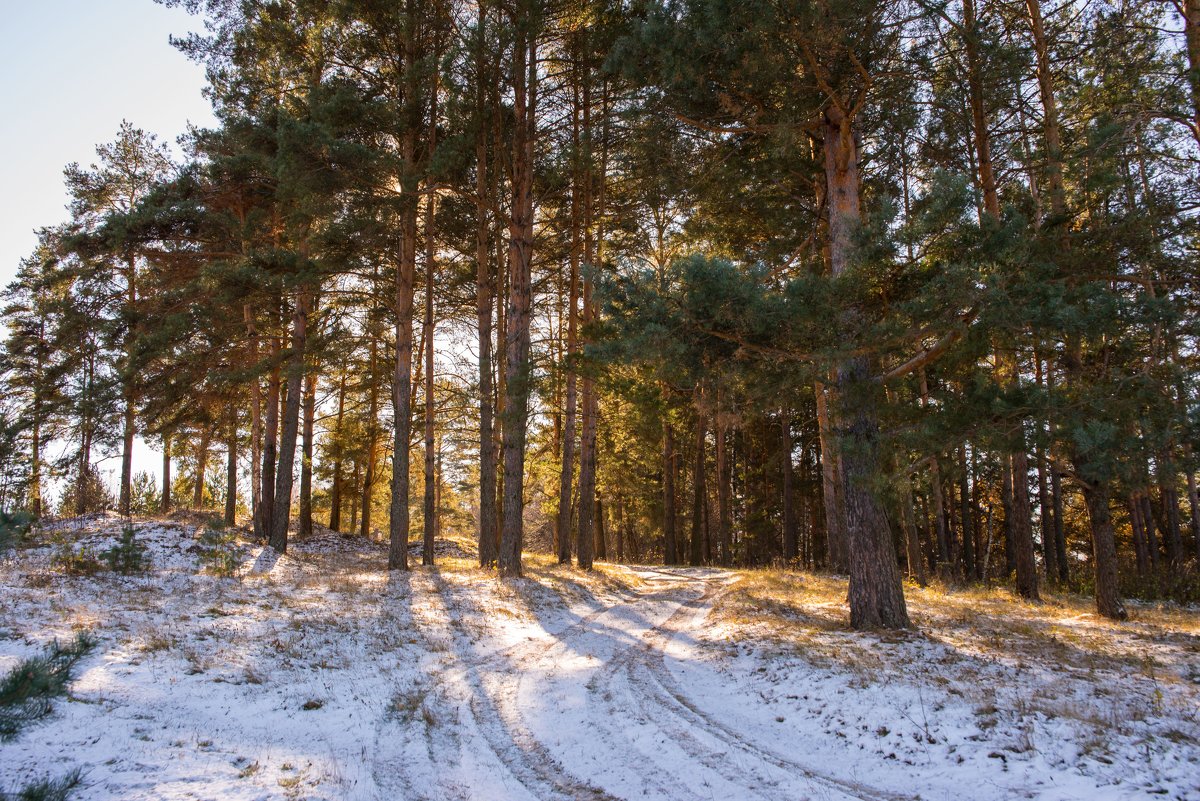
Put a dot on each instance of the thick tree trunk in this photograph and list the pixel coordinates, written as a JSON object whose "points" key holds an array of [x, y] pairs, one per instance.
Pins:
{"points": [[520, 260], [402, 377], [483, 311], [1104, 551], [567, 468], [876, 594], [282, 513]]}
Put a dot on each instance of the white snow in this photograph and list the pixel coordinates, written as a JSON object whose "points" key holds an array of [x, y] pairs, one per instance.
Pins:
{"points": [[318, 675]]}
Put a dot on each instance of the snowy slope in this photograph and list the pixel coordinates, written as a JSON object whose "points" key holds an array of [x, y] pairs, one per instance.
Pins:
{"points": [[317, 675]]}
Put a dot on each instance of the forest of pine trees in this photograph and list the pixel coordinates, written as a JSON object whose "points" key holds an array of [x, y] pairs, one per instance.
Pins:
{"points": [[900, 290]]}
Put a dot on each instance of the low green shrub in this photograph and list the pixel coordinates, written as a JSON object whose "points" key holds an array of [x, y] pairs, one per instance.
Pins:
{"points": [[27, 690], [59, 789], [218, 551], [128, 556], [73, 560]]}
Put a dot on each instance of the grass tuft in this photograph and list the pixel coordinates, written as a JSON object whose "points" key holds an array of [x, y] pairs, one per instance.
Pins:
{"points": [[26, 692], [59, 789]]}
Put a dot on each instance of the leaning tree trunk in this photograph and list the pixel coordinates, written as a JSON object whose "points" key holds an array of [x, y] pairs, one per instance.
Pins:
{"points": [[282, 513], [876, 593]]}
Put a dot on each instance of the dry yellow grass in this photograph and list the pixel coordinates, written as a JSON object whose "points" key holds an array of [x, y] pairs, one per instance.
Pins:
{"points": [[1063, 632]]}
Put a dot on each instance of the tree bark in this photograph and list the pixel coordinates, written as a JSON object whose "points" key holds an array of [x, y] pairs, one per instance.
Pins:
{"points": [[231, 450], [335, 491], [670, 545], [270, 442], [724, 479], [165, 500], [306, 454], [256, 432], [567, 468], [789, 513], [281, 514], [520, 260], [402, 377], [835, 528], [1104, 551], [696, 550], [876, 594], [201, 469]]}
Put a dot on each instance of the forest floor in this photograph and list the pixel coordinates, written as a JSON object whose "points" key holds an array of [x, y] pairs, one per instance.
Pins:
{"points": [[318, 675]]}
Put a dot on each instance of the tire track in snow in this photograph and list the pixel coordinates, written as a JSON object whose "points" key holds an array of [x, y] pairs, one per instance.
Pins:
{"points": [[651, 679], [492, 706]]}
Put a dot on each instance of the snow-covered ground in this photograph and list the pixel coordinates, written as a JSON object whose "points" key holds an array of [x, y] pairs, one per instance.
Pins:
{"points": [[318, 675]]}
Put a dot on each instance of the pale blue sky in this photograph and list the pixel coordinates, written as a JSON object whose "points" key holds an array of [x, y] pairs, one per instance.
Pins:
{"points": [[70, 71]]}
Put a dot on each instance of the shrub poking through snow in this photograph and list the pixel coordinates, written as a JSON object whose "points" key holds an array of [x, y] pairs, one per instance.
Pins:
{"points": [[13, 528], [128, 556], [66, 558], [59, 789], [218, 551], [26, 692]]}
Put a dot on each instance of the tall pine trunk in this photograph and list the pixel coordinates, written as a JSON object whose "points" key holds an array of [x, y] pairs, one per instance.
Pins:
{"points": [[306, 454], [231, 451], [282, 513], [165, 500], [520, 298], [431, 501], [402, 377], [876, 594], [670, 544]]}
